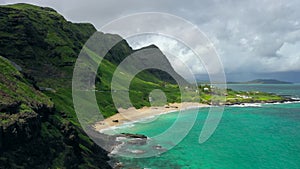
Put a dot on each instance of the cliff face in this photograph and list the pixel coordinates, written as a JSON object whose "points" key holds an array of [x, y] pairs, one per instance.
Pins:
{"points": [[21, 107], [34, 131], [30, 134], [122, 50], [40, 40]]}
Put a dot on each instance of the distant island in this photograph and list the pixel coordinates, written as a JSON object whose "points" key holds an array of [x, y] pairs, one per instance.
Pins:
{"points": [[38, 53], [262, 81]]}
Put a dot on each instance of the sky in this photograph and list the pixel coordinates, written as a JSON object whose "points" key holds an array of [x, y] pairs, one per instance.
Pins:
{"points": [[253, 38]]}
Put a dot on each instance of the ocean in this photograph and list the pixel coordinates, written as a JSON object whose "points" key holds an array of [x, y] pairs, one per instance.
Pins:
{"points": [[265, 136]]}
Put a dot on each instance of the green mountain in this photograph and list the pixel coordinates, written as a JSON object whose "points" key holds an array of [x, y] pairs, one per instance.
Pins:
{"points": [[262, 81], [267, 81], [38, 125], [37, 118]]}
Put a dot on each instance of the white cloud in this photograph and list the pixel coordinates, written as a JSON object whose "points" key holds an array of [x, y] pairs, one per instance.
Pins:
{"points": [[250, 36], [176, 52]]}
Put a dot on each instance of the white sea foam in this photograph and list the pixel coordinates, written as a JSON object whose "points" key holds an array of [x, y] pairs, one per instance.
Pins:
{"points": [[247, 105], [290, 102], [260, 104], [167, 112], [111, 130], [117, 148], [287, 102], [296, 98], [147, 119], [121, 138], [126, 125], [274, 103], [105, 131], [137, 151]]}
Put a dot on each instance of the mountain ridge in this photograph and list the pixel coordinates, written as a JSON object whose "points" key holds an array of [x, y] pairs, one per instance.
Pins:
{"points": [[44, 46], [262, 81]]}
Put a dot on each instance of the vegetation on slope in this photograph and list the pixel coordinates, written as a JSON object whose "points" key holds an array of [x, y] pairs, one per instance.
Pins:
{"points": [[49, 46], [32, 133], [46, 46], [207, 93]]}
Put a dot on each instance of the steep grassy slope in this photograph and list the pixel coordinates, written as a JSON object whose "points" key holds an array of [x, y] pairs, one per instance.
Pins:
{"points": [[41, 41], [37, 114], [32, 135], [44, 47]]}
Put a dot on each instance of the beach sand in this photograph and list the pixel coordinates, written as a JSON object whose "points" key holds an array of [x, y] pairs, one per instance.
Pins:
{"points": [[132, 114]]}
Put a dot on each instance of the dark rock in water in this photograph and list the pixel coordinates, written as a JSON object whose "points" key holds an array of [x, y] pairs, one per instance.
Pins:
{"points": [[157, 147], [118, 165], [292, 100], [137, 141], [129, 135]]}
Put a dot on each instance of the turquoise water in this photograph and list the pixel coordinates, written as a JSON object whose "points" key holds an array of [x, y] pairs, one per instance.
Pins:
{"points": [[247, 137]]}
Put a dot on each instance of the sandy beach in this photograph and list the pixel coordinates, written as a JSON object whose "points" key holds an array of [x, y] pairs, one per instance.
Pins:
{"points": [[132, 114]]}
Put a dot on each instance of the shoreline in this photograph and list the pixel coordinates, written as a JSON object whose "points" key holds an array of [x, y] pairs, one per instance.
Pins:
{"points": [[132, 115], [148, 113]]}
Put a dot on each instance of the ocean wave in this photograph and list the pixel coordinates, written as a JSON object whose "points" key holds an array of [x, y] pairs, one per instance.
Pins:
{"points": [[121, 139], [296, 98], [287, 102], [136, 151], [261, 104], [117, 148], [274, 103], [112, 130], [291, 102], [126, 125], [106, 130], [247, 105], [147, 119]]}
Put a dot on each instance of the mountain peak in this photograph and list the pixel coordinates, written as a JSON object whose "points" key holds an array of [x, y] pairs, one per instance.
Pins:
{"points": [[24, 6]]}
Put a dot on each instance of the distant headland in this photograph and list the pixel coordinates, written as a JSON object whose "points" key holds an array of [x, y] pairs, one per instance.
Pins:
{"points": [[262, 81]]}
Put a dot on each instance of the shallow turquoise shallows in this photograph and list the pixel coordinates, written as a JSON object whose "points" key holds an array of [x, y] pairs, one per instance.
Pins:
{"points": [[266, 137]]}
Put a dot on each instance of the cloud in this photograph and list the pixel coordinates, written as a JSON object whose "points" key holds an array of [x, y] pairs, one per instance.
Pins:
{"points": [[176, 52], [250, 36]]}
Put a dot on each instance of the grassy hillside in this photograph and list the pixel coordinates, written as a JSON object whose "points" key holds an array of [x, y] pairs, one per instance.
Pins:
{"points": [[207, 93], [35, 90], [34, 134], [44, 47]]}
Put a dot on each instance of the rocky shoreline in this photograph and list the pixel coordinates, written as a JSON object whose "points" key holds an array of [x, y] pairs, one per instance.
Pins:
{"points": [[117, 140], [286, 100]]}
